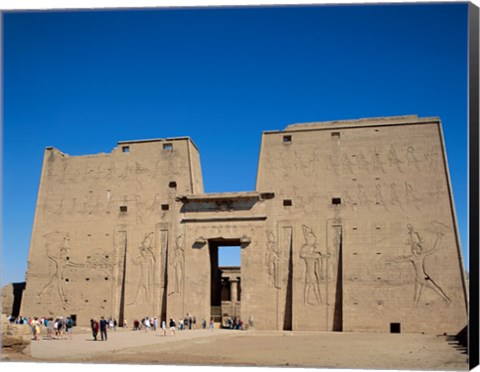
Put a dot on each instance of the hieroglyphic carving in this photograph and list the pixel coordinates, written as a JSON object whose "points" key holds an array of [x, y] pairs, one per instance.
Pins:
{"points": [[60, 262], [146, 260], [313, 268], [272, 260], [417, 259]]}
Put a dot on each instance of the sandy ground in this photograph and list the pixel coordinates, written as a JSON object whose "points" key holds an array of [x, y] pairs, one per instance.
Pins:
{"points": [[255, 348]]}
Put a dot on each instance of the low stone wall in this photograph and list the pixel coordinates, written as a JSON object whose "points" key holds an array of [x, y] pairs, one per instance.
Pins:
{"points": [[15, 338]]}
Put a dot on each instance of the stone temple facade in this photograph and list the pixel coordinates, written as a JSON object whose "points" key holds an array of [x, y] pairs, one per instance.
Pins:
{"points": [[351, 227]]}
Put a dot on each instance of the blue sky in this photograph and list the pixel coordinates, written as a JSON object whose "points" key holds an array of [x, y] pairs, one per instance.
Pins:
{"points": [[81, 81]]}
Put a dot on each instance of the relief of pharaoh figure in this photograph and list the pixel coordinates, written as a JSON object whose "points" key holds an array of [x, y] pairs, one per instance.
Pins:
{"points": [[61, 262], [313, 268], [417, 259], [146, 261]]}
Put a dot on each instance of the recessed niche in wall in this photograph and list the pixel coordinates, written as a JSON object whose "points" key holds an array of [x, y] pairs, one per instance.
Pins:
{"points": [[287, 202], [287, 139], [165, 207], [168, 146], [123, 208], [172, 184]]}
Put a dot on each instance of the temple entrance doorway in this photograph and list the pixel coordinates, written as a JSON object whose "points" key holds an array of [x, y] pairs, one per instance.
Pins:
{"points": [[225, 283]]}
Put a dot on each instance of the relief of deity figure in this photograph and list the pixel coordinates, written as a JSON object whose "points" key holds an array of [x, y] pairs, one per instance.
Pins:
{"points": [[393, 159], [313, 268], [412, 158], [273, 260], [178, 264]]}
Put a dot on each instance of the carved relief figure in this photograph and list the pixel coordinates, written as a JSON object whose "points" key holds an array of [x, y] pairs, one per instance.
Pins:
{"points": [[394, 200], [333, 164], [410, 195], [379, 197], [363, 197], [393, 159], [146, 261], [273, 260], [362, 163], [347, 164], [417, 259], [313, 268], [377, 162], [432, 159], [61, 262], [178, 263], [412, 158], [349, 200]]}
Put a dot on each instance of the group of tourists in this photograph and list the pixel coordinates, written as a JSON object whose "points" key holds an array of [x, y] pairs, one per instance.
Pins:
{"points": [[56, 328]]}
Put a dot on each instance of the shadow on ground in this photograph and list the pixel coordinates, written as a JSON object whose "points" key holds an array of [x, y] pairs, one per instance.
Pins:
{"points": [[459, 341]]}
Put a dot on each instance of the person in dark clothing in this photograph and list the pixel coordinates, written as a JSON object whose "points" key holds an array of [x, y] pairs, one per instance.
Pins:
{"points": [[95, 327], [103, 328]]}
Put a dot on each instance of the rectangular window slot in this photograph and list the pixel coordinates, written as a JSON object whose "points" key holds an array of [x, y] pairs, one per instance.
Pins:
{"points": [[287, 203], [172, 185], [123, 208], [355, 253], [379, 252], [336, 201], [378, 227], [165, 207], [168, 146], [125, 148], [354, 228], [336, 135], [287, 139], [395, 327]]}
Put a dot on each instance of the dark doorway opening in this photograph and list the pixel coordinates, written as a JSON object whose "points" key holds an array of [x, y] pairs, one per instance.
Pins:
{"points": [[225, 278]]}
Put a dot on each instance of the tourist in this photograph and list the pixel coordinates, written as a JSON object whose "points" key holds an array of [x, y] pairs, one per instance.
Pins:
{"points": [[35, 328], [194, 323], [125, 324], [103, 329], [211, 324], [50, 328], [146, 323], [95, 327], [204, 324], [69, 326], [115, 323], [155, 324], [136, 325], [164, 328], [60, 327], [172, 327], [189, 322], [110, 323]]}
